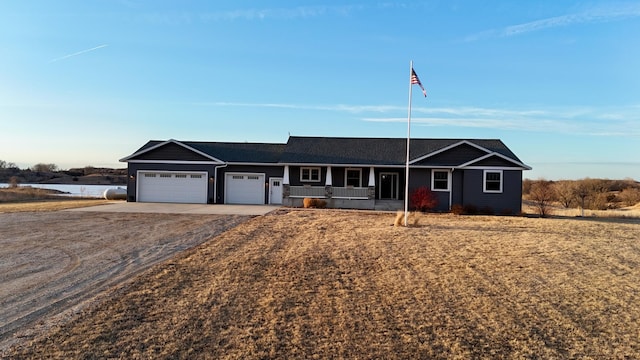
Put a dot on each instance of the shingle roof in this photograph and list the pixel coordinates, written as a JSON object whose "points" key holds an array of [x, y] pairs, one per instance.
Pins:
{"points": [[371, 151], [332, 150], [240, 152]]}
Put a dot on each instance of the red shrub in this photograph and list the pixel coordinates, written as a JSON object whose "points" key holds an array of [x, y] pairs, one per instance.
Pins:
{"points": [[422, 199]]}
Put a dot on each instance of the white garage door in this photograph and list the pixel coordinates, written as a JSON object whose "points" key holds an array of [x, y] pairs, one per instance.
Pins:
{"points": [[244, 188], [174, 187]]}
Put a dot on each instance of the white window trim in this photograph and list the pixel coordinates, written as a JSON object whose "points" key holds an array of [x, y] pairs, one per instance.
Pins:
{"points": [[359, 170], [310, 168], [433, 178], [484, 181]]}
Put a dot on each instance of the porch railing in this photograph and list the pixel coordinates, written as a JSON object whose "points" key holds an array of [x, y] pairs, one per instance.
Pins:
{"points": [[307, 191], [351, 192], [361, 193]]}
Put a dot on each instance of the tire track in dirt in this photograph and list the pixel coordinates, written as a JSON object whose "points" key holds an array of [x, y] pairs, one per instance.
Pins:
{"points": [[65, 259]]}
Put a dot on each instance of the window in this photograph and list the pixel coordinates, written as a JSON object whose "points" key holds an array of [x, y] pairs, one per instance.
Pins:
{"points": [[440, 180], [196, 176], [493, 181], [165, 175], [181, 176], [310, 174], [353, 177]]}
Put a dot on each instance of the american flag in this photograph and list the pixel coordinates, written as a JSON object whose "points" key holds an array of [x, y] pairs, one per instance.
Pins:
{"points": [[415, 80]]}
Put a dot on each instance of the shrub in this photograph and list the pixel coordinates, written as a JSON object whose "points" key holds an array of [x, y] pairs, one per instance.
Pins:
{"points": [[314, 203], [629, 196], [399, 219], [457, 209], [470, 209], [423, 199]]}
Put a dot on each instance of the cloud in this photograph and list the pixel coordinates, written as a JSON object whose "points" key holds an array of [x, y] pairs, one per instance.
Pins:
{"points": [[609, 122], [78, 53], [279, 13], [337, 107], [595, 15], [621, 121]]}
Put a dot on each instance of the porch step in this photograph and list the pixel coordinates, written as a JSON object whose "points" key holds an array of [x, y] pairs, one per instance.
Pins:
{"points": [[389, 205]]}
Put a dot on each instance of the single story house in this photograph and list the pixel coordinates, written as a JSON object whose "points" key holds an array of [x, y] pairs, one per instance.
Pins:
{"points": [[359, 173]]}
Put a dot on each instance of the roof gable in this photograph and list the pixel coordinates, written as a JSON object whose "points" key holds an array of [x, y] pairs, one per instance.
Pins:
{"points": [[171, 150], [451, 156], [495, 160]]}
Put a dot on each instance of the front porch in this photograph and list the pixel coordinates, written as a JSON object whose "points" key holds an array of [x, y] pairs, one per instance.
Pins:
{"points": [[362, 198], [347, 192]]}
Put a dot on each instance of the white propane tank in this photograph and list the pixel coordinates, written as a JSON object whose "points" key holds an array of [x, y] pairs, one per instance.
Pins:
{"points": [[115, 194]]}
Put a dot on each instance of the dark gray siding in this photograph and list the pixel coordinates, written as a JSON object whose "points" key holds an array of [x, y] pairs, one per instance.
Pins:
{"points": [[269, 171], [494, 161], [458, 155], [422, 178], [508, 201], [133, 168], [294, 176], [172, 151]]}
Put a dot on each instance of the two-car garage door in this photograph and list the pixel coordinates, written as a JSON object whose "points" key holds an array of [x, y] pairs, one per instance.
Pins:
{"points": [[173, 187]]}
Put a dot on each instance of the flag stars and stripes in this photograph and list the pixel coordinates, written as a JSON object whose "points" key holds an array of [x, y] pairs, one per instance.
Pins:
{"points": [[415, 80]]}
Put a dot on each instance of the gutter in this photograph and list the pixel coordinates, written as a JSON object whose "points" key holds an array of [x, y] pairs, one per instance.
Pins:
{"points": [[215, 182]]}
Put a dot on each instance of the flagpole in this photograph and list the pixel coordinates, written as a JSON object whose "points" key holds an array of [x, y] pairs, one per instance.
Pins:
{"points": [[406, 180]]}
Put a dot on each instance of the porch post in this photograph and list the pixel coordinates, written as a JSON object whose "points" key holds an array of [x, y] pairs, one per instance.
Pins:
{"points": [[286, 188], [328, 184], [371, 192]]}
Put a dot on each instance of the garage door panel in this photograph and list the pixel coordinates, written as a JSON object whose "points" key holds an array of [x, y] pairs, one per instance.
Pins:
{"points": [[244, 188], [172, 187]]}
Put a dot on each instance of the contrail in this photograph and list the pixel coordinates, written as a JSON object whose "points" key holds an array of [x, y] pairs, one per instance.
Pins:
{"points": [[78, 53]]}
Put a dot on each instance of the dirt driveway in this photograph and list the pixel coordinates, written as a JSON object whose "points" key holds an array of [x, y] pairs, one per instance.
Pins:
{"points": [[52, 264]]}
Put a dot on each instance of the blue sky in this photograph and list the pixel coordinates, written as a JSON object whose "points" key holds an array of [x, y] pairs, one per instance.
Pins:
{"points": [[88, 82]]}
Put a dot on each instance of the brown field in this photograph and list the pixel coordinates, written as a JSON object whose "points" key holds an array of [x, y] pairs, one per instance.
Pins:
{"points": [[331, 284], [23, 199]]}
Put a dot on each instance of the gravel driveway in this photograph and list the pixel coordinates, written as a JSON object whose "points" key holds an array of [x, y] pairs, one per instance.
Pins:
{"points": [[52, 264]]}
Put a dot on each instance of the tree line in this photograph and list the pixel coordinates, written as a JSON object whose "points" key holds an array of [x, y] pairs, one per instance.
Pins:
{"points": [[11, 173], [593, 194]]}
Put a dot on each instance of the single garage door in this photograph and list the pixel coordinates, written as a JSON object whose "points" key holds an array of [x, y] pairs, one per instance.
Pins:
{"points": [[243, 188], [173, 187]]}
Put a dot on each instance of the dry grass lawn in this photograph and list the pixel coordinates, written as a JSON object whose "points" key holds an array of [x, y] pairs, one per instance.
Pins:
{"points": [[330, 284], [23, 199]]}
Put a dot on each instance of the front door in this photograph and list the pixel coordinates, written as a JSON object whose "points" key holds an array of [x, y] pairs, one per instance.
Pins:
{"points": [[388, 186], [275, 191]]}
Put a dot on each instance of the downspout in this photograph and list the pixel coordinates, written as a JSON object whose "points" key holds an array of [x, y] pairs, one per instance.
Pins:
{"points": [[215, 182], [451, 189]]}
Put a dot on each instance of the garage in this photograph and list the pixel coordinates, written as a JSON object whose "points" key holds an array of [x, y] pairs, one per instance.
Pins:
{"points": [[172, 187], [244, 188]]}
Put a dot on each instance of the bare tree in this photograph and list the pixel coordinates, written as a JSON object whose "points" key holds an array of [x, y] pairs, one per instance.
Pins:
{"points": [[13, 182], [44, 167], [542, 194], [565, 192]]}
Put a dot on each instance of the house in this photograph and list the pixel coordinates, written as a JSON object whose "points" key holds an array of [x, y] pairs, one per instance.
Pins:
{"points": [[359, 173]]}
